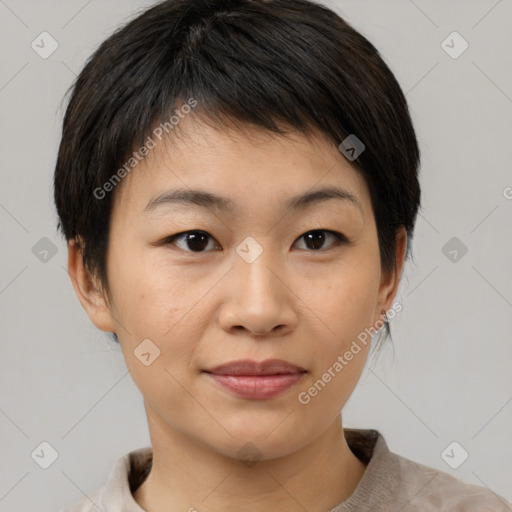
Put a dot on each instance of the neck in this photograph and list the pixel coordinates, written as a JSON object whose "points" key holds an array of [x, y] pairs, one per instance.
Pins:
{"points": [[187, 475]]}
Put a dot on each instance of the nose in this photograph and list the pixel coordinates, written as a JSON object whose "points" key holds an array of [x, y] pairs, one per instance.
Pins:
{"points": [[258, 299]]}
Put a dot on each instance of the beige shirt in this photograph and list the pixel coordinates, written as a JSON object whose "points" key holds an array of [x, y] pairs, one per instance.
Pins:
{"points": [[390, 483]]}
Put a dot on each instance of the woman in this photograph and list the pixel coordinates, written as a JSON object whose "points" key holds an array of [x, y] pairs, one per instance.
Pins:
{"points": [[237, 182]]}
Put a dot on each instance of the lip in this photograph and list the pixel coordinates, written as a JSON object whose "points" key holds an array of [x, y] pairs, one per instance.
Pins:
{"points": [[256, 380], [249, 367]]}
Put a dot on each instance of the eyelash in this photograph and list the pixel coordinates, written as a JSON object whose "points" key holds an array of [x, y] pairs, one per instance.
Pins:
{"points": [[340, 239]]}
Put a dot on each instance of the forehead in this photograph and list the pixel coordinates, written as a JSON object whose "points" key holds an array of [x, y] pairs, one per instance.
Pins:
{"points": [[245, 163]]}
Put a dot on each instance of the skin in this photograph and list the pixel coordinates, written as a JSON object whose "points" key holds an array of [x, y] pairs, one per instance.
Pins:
{"points": [[201, 309]]}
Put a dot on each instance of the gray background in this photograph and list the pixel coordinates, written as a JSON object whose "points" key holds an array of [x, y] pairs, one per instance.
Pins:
{"points": [[63, 382]]}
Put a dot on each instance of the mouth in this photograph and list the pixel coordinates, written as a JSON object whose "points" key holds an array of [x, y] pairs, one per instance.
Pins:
{"points": [[256, 380], [255, 368]]}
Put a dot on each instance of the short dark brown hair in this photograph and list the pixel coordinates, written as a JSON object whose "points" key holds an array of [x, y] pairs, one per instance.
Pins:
{"points": [[268, 63]]}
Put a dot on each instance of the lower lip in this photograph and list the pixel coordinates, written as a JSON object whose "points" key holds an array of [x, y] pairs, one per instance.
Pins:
{"points": [[256, 387]]}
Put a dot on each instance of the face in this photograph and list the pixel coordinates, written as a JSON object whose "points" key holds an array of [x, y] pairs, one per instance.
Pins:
{"points": [[254, 277]]}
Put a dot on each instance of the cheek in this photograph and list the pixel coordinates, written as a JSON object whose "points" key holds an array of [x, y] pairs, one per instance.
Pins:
{"points": [[157, 310], [345, 305], [144, 295], [165, 307], [344, 300]]}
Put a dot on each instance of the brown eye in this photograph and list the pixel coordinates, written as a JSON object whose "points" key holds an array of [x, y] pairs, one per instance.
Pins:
{"points": [[316, 238], [191, 241]]}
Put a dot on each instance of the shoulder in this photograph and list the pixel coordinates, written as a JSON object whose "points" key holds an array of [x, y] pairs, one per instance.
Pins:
{"points": [[392, 482], [428, 489], [127, 473]]}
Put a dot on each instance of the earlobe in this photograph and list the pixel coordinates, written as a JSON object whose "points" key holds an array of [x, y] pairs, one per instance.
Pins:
{"points": [[88, 291]]}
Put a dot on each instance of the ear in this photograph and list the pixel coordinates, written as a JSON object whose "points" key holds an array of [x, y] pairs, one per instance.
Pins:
{"points": [[391, 280], [88, 291]]}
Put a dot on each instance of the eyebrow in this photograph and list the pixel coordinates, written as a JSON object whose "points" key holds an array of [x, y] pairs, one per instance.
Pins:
{"points": [[213, 201]]}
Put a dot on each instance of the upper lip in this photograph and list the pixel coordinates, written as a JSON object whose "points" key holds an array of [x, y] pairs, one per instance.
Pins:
{"points": [[249, 367]]}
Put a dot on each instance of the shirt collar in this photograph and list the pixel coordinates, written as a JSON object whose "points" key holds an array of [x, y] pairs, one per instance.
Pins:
{"points": [[368, 445]]}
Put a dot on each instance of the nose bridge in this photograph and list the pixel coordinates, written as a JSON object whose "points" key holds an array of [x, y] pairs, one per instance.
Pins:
{"points": [[255, 269]]}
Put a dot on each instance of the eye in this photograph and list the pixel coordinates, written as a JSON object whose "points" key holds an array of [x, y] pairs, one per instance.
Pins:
{"points": [[197, 241], [315, 239]]}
